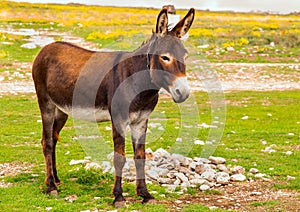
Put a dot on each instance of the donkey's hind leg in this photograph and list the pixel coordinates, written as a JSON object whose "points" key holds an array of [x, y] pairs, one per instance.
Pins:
{"points": [[48, 115], [59, 122]]}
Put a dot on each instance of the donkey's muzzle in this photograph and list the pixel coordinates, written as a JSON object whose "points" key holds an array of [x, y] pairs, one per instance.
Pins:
{"points": [[180, 90]]}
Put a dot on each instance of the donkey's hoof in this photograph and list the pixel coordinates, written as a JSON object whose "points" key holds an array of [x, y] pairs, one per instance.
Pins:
{"points": [[53, 193], [150, 201], [119, 204], [58, 183]]}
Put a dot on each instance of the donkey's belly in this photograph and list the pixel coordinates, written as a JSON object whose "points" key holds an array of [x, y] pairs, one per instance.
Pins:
{"points": [[87, 114]]}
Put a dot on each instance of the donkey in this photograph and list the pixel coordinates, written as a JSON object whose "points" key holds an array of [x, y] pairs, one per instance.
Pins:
{"points": [[118, 86]]}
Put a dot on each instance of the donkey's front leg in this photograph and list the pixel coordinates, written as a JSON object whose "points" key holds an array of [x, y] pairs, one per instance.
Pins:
{"points": [[119, 161], [138, 133]]}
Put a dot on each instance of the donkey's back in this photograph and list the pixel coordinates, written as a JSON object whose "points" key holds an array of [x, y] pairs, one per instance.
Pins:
{"points": [[59, 66]]}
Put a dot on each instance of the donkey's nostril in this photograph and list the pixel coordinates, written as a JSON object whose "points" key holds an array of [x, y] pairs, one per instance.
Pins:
{"points": [[178, 92]]}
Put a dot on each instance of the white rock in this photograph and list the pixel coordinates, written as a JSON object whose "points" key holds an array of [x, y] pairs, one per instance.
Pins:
{"points": [[161, 153], [75, 162], [182, 177], [209, 175], [71, 198], [223, 168], [177, 181], [164, 180], [290, 178], [238, 177], [185, 184], [106, 166], [222, 178], [256, 193], [29, 46], [148, 151], [161, 128], [178, 157], [245, 117], [289, 153], [197, 181], [171, 175], [263, 142], [95, 166], [259, 175], [108, 128], [213, 207], [201, 168], [217, 160], [253, 171], [187, 161], [199, 142], [192, 165], [230, 49], [152, 174], [170, 188], [184, 170], [202, 160], [178, 139], [269, 149], [161, 171], [110, 156], [204, 46], [204, 187], [237, 170]]}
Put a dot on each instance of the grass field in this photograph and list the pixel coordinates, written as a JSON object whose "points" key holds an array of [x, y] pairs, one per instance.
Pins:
{"points": [[273, 117], [242, 141]]}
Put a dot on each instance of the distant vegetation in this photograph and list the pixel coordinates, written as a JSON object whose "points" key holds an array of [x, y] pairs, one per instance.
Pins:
{"points": [[225, 36]]}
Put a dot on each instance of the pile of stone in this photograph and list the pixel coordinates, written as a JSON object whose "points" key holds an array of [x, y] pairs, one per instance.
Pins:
{"points": [[177, 170]]}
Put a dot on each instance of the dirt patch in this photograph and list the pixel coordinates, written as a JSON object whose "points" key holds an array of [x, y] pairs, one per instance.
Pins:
{"points": [[245, 196], [231, 77], [13, 169], [251, 76]]}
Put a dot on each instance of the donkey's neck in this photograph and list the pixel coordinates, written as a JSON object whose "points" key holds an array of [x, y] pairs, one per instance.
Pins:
{"points": [[140, 55], [140, 75]]}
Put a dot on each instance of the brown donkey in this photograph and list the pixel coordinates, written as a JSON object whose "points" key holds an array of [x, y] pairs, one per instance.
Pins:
{"points": [[118, 86]]}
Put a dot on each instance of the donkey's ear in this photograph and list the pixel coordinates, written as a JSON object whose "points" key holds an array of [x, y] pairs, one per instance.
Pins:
{"points": [[183, 26], [162, 22]]}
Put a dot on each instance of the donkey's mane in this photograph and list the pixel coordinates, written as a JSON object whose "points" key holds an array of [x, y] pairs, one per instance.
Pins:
{"points": [[146, 41]]}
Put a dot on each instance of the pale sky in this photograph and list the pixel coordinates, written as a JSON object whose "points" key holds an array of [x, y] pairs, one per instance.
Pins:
{"points": [[281, 6]]}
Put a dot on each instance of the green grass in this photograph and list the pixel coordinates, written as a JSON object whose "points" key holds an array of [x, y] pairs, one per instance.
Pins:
{"points": [[20, 143]]}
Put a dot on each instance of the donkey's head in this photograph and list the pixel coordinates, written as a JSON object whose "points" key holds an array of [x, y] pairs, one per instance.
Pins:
{"points": [[166, 56]]}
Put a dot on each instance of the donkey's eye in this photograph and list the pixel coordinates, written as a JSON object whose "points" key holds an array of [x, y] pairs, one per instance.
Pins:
{"points": [[165, 58]]}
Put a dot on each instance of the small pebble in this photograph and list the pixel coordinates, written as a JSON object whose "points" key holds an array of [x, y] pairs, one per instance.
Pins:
{"points": [[204, 187], [253, 171], [290, 178], [238, 178], [289, 153]]}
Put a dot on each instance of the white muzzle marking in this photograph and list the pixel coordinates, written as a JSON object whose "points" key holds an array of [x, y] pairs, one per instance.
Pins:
{"points": [[180, 90]]}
